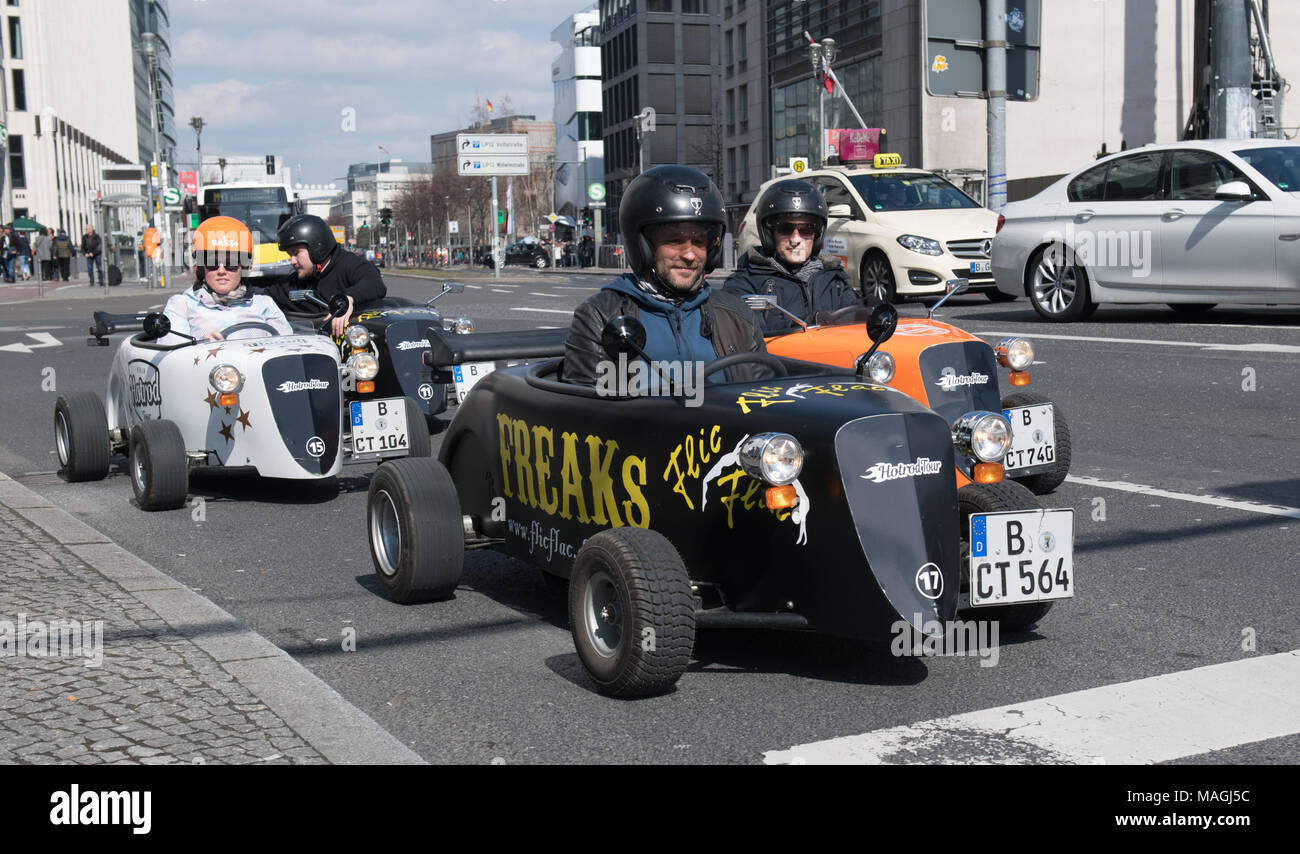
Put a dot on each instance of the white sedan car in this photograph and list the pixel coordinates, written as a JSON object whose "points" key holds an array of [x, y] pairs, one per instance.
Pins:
{"points": [[1191, 224]]}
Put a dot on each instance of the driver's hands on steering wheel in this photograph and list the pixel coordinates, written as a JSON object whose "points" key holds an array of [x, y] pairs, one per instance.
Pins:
{"points": [[338, 324], [213, 336]]}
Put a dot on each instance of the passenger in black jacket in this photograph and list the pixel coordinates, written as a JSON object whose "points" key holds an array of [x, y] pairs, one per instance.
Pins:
{"points": [[321, 265], [787, 262]]}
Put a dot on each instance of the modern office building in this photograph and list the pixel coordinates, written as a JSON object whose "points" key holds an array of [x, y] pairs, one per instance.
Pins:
{"points": [[371, 187], [579, 141], [76, 98]]}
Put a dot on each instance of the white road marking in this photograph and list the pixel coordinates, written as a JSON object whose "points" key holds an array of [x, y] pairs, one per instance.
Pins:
{"points": [[475, 287], [43, 339], [500, 291], [546, 310], [1132, 723], [1202, 345], [539, 294], [577, 288], [1213, 500]]}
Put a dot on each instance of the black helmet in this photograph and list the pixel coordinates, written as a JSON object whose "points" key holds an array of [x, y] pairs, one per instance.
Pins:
{"points": [[669, 194], [791, 196], [311, 230]]}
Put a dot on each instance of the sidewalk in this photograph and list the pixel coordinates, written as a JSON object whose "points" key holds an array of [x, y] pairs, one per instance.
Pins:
{"points": [[143, 670], [78, 287]]}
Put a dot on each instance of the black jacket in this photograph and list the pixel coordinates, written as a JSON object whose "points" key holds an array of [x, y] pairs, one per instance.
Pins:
{"points": [[345, 274], [728, 324], [828, 289], [91, 244]]}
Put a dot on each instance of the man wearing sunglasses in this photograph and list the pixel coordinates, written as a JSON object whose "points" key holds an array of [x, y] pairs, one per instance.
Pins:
{"points": [[222, 247], [788, 263]]}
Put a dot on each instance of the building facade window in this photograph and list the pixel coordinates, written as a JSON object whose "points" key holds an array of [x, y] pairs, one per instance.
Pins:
{"points": [[743, 107], [19, 90], [17, 171], [695, 7], [15, 39], [744, 169]]}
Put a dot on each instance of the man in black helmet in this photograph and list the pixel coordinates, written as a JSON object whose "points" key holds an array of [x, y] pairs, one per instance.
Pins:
{"points": [[788, 263], [318, 264], [672, 222]]}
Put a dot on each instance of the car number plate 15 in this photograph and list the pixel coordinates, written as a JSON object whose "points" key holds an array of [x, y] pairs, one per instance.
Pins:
{"points": [[1033, 437], [1021, 556], [468, 374], [379, 426], [981, 266]]}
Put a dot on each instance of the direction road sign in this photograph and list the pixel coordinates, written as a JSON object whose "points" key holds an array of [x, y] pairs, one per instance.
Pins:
{"points": [[492, 164], [491, 143]]}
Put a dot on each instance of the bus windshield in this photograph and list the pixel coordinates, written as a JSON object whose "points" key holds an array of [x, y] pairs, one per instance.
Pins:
{"points": [[262, 209]]}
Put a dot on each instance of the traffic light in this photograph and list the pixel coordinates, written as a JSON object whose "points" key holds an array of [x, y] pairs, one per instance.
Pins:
{"points": [[270, 164], [386, 216], [586, 217]]}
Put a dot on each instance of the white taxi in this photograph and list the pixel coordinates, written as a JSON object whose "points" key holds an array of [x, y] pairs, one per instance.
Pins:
{"points": [[898, 231]]}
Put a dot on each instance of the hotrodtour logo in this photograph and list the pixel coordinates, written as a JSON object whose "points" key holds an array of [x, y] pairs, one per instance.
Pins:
{"points": [[881, 472], [310, 385], [146, 392], [412, 345], [950, 381]]}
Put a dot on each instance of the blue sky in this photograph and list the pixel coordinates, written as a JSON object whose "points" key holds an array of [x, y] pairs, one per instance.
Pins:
{"points": [[325, 83]]}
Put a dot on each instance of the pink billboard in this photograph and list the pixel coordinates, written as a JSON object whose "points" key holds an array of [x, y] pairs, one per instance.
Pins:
{"points": [[860, 145], [189, 183]]}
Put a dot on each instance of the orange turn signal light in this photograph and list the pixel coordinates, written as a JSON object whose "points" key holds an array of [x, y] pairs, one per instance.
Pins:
{"points": [[1019, 377], [987, 473], [227, 399], [366, 386], [781, 497]]}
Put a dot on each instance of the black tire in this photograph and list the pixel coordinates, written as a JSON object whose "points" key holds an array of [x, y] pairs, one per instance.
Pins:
{"points": [[540, 262], [1191, 309], [1045, 482], [996, 295], [81, 436], [1058, 285], [417, 542], [419, 443], [876, 278], [160, 473], [992, 498], [631, 612]]}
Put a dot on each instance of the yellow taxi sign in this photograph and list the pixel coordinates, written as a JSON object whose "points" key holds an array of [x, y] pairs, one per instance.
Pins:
{"points": [[886, 161]]}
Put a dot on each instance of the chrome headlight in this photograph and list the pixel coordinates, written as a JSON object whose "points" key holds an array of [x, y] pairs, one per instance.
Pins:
{"points": [[1015, 353], [364, 365], [226, 379], [357, 336], [983, 435], [880, 367], [923, 245], [774, 457], [459, 325]]}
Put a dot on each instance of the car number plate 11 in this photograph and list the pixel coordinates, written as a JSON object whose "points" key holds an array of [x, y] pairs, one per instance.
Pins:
{"points": [[1033, 437], [1021, 556], [981, 266], [468, 374], [379, 426]]}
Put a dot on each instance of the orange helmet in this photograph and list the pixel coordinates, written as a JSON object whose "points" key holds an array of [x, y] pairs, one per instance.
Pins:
{"points": [[222, 240]]}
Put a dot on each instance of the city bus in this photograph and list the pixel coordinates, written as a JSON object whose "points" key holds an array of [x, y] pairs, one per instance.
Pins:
{"points": [[262, 207]]}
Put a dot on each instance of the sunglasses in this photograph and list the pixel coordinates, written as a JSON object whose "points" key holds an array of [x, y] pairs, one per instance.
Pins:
{"points": [[785, 229], [213, 262]]}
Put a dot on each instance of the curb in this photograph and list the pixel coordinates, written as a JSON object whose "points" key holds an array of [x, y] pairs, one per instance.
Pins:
{"points": [[332, 726]]}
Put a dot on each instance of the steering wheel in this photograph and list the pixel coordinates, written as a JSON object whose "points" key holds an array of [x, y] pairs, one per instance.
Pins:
{"points": [[249, 324], [742, 358]]}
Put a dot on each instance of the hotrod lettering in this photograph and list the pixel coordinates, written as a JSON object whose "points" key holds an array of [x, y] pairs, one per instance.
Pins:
{"points": [[549, 542], [751, 496], [949, 381], [691, 452], [145, 391], [310, 385], [412, 345], [526, 454], [765, 396], [881, 472]]}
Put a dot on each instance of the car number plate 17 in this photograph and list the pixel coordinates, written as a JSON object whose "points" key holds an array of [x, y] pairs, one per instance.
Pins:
{"points": [[981, 266], [468, 374], [1033, 438], [1021, 556], [379, 426]]}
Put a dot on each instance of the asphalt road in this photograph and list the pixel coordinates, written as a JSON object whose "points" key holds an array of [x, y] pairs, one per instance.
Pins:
{"points": [[1169, 578]]}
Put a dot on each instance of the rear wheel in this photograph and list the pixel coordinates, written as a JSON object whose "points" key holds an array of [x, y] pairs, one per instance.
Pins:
{"points": [[632, 612], [81, 436], [417, 541], [1044, 482], [994, 498], [419, 443], [877, 278], [160, 474], [1058, 285], [540, 262]]}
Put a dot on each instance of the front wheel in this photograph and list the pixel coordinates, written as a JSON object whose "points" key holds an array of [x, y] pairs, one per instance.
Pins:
{"points": [[419, 443], [877, 278], [81, 436], [1058, 285], [994, 498], [160, 473], [632, 612], [1047, 481], [540, 262], [417, 541]]}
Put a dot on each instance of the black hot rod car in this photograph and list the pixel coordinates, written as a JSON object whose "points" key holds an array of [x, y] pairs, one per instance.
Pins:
{"points": [[812, 500]]}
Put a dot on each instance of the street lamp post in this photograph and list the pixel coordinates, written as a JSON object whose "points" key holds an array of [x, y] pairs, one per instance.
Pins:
{"points": [[149, 44], [821, 55], [197, 123], [469, 221]]}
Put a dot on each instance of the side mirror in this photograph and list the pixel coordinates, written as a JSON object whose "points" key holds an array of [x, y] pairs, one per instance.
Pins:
{"points": [[447, 288], [882, 323], [1234, 191], [622, 334], [957, 286], [840, 211], [761, 302], [338, 305], [156, 325]]}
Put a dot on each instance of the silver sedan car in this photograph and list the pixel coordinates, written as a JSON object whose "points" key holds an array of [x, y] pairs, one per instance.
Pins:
{"points": [[1191, 224]]}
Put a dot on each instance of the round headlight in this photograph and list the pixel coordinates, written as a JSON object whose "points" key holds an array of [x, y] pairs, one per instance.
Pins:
{"points": [[459, 325], [226, 379], [774, 457], [364, 365], [357, 336], [1015, 353], [983, 435], [880, 367]]}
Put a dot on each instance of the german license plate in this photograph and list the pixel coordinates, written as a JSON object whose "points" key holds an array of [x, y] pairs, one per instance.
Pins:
{"points": [[468, 374], [981, 266], [1033, 438], [1021, 556], [379, 426]]}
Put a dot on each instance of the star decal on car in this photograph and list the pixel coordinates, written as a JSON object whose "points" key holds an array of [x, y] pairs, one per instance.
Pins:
{"points": [[212, 354], [225, 431], [211, 400], [243, 418]]}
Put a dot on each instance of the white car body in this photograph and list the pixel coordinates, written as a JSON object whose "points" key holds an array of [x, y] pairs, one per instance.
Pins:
{"points": [[1182, 246], [963, 234]]}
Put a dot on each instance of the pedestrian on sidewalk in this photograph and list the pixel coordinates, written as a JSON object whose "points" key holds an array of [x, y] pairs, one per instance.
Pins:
{"points": [[9, 251], [91, 247], [43, 247], [24, 256], [63, 253]]}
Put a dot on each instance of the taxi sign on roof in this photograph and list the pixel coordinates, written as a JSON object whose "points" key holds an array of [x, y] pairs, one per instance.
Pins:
{"points": [[886, 161]]}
